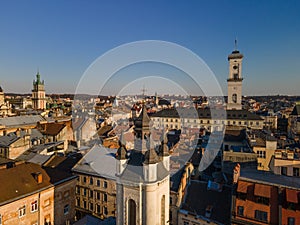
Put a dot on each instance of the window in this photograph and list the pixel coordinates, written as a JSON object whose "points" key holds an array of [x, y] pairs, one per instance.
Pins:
{"points": [[261, 154], [105, 184], [162, 208], [261, 215], [91, 181], [185, 223], [22, 211], [91, 193], [98, 209], [296, 172], [105, 197], [98, 183], [78, 202], [242, 196], [291, 221], [131, 212], [77, 190], [170, 200], [84, 191], [240, 210], [105, 212], [245, 123], [47, 202], [84, 204], [234, 98], [66, 209], [262, 200], [91, 206], [34, 206], [98, 195], [84, 179], [257, 123], [283, 170]]}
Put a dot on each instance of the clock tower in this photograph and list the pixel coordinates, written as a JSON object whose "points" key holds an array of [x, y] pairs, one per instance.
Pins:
{"points": [[235, 80]]}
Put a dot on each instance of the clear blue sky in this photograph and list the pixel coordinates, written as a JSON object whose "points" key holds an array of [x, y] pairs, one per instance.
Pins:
{"points": [[62, 38]]}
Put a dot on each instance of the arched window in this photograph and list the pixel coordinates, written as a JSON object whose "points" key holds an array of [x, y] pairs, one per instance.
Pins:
{"points": [[163, 216], [131, 212], [234, 98]]}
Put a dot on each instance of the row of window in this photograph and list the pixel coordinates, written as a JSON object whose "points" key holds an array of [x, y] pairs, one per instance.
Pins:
{"points": [[284, 171], [261, 154], [91, 194], [33, 208], [251, 123], [91, 181], [90, 206], [262, 216]]}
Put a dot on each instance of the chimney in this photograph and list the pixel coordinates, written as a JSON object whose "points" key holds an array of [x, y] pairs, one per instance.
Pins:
{"points": [[236, 173], [38, 177]]}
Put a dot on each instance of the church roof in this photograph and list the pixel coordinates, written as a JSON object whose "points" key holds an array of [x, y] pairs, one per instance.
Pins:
{"points": [[143, 120], [1, 90]]}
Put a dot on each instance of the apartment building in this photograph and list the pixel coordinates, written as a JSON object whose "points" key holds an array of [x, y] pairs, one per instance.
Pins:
{"points": [[96, 185]]}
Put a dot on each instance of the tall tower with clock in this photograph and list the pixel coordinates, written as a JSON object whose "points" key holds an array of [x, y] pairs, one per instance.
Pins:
{"points": [[235, 80]]}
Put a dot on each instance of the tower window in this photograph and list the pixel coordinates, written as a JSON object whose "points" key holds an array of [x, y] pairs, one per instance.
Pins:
{"points": [[234, 98], [131, 212]]}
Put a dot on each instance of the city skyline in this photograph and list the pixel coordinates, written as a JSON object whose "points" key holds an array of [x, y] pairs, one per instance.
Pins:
{"points": [[61, 39]]}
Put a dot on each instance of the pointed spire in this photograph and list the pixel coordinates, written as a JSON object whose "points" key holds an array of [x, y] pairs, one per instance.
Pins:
{"points": [[151, 156], [235, 44], [164, 149], [122, 151]]}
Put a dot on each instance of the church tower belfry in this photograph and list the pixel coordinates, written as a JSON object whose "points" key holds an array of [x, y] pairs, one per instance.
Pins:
{"points": [[38, 93], [235, 79]]}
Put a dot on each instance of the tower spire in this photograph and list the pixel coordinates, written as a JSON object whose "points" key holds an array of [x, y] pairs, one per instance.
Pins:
{"points": [[235, 43]]}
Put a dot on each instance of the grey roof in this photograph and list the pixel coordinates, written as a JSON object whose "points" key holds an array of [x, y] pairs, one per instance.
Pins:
{"points": [[7, 140], [36, 134], [18, 121], [39, 159], [199, 197], [99, 161], [269, 178], [206, 114], [34, 157]]}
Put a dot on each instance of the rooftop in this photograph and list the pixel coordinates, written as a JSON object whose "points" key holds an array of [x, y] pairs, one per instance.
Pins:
{"points": [[269, 178], [199, 198]]}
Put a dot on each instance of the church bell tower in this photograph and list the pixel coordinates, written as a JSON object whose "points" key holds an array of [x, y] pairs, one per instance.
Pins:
{"points": [[38, 93], [235, 80]]}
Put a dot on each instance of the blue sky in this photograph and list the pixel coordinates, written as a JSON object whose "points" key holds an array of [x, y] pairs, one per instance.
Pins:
{"points": [[62, 38]]}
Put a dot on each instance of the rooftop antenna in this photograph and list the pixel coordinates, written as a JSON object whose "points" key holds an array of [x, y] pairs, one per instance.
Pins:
{"points": [[235, 44]]}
